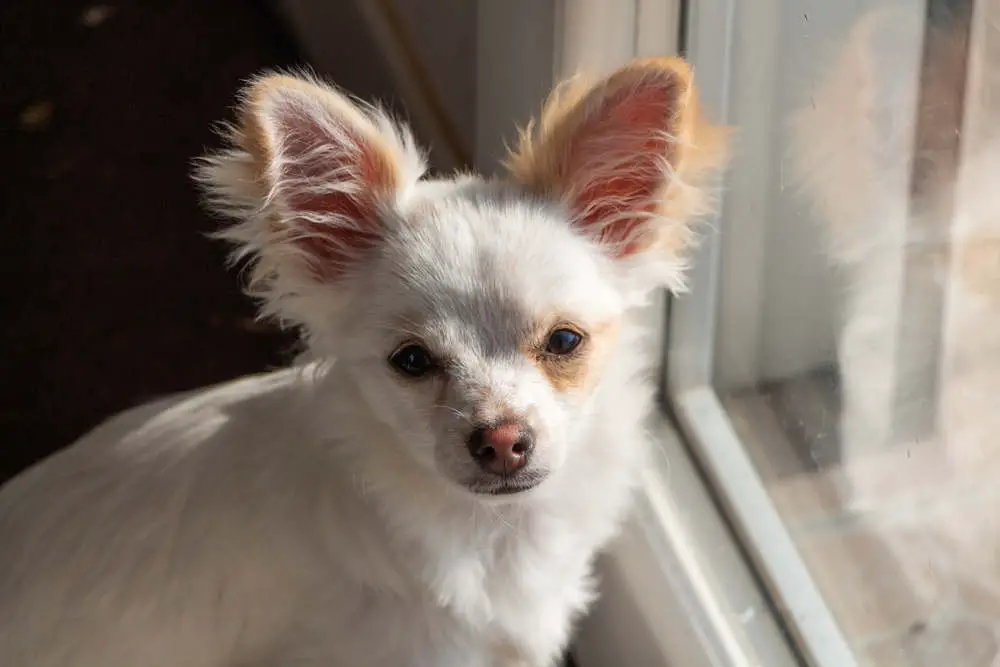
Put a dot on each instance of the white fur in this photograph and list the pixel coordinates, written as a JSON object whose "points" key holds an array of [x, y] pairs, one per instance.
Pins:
{"points": [[322, 515]]}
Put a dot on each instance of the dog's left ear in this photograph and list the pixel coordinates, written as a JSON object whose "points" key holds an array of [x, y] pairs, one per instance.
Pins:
{"points": [[309, 179], [628, 157]]}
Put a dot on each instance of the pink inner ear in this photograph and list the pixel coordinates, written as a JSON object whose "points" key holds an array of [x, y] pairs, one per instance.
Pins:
{"points": [[330, 179], [617, 163]]}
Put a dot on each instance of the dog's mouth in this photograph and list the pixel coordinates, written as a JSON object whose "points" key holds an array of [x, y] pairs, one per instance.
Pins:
{"points": [[509, 489], [508, 485]]}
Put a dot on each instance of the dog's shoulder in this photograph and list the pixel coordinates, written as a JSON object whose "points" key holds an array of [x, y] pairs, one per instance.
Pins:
{"points": [[232, 451], [158, 451], [181, 425], [155, 517]]}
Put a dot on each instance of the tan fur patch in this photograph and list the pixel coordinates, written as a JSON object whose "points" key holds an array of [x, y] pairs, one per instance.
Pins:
{"points": [[698, 148], [579, 370]]}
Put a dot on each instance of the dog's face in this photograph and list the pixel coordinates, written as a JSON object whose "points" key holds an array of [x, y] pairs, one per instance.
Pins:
{"points": [[477, 318], [483, 335]]}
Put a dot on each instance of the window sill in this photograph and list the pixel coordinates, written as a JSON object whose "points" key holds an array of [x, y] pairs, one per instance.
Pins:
{"points": [[675, 588]]}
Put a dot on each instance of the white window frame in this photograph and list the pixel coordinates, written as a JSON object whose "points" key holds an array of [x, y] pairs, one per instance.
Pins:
{"points": [[677, 590]]}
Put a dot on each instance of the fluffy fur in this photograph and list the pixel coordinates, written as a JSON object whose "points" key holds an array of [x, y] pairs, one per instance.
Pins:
{"points": [[927, 493], [331, 513]]}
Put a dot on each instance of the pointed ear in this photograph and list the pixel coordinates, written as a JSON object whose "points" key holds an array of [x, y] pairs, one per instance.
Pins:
{"points": [[307, 177], [628, 156]]}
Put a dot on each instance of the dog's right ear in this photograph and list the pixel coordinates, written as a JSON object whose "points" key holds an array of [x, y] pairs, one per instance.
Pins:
{"points": [[307, 179], [631, 158]]}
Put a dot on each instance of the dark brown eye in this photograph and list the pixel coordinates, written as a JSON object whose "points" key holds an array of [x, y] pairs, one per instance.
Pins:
{"points": [[563, 341], [412, 360]]}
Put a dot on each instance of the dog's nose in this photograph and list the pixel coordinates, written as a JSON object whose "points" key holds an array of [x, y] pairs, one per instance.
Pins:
{"points": [[502, 448]]}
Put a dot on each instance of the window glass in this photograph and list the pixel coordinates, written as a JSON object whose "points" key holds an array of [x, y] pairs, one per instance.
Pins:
{"points": [[857, 351]]}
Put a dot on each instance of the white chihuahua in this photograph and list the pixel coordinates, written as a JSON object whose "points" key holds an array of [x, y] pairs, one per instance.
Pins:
{"points": [[430, 486]]}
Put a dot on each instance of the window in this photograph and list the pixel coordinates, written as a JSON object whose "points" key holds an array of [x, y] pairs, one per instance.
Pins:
{"points": [[828, 485], [833, 368]]}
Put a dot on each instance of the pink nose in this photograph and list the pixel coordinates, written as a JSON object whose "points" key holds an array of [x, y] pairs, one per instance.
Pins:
{"points": [[503, 448]]}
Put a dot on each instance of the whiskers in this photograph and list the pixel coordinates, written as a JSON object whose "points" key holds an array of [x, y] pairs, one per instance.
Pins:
{"points": [[459, 414]]}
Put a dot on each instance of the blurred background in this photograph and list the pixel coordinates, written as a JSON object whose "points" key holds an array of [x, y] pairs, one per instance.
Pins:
{"points": [[115, 295]]}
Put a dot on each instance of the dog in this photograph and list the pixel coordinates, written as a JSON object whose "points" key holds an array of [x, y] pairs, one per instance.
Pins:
{"points": [[429, 484]]}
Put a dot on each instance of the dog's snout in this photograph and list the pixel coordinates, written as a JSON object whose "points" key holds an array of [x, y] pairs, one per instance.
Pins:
{"points": [[502, 448]]}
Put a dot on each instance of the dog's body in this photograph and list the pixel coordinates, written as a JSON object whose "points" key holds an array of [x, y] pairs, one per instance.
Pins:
{"points": [[253, 530], [430, 489]]}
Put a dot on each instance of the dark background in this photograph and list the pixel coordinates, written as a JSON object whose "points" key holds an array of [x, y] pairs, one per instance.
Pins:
{"points": [[113, 293]]}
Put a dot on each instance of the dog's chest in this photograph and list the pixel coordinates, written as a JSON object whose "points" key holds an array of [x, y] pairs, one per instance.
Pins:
{"points": [[514, 593], [473, 616]]}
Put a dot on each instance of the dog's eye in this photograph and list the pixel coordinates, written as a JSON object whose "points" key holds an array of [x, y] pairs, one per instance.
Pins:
{"points": [[563, 341], [412, 360]]}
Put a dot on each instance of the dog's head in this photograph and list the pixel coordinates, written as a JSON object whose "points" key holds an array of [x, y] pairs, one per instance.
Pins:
{"points": [[476, 317]]}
